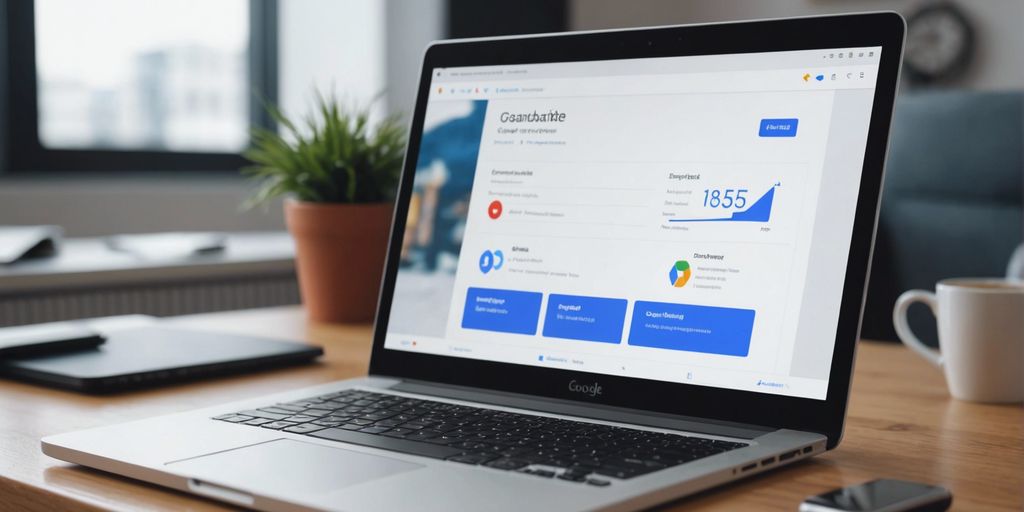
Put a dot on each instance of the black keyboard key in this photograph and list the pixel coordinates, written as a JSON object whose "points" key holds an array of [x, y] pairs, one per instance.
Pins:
{"points": [[514, 451], [507, 464], [304, 428], [301, 403], [301, 418], [276, 410], [620, 469], [435, 440], [470, 445], [597, 482], [292, 408], [560, 462], [234, 418], [423, 434], [451, 437], [387, 443], [634, 464], [446, 427], [667, 459], [278, 425], [377, 416], [570, 477], [375, 430], [398, 432], [586, 461], [267, 415], [578, 471], [327, 423], [682, 456], [474, 458]]}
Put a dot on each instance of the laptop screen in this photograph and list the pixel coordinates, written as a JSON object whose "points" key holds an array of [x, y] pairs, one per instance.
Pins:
{"points": [[682, 219]]}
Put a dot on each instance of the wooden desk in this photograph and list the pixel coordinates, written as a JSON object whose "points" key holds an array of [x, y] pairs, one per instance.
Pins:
{"points": [[902, 424]]}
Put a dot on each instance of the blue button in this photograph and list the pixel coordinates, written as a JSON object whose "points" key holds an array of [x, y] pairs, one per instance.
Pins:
{"points": [[707, 329], [778, 127], [501, 311], [585, 318]]}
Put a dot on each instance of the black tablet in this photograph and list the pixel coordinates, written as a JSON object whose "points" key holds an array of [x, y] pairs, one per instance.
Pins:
{"points": [[149, 356]]}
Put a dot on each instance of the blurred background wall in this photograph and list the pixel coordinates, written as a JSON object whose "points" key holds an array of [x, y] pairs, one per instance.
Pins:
{"points": [[997, 62]]}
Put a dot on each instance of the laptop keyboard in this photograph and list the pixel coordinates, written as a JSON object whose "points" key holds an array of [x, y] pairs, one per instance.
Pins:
{"points": [[573, 451]]}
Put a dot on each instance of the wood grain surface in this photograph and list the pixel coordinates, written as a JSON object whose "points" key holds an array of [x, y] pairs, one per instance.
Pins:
{"points": [[902, 424]]}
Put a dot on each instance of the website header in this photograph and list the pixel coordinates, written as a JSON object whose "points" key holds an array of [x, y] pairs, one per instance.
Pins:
{"points": [[825, 60]]}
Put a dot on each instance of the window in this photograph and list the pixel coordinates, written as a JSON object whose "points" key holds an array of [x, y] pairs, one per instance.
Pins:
{"points": [[138, 85], [123, 74]]}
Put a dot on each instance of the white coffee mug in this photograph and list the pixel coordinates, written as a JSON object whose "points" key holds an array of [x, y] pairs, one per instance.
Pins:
{"points": [[981, 336]]}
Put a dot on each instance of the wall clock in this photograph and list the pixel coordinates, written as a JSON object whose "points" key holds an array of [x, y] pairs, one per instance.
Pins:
{"points": [[940, 43]]}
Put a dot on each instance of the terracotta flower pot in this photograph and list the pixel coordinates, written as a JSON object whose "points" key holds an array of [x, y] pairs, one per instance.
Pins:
{"points": [[340, 257]]}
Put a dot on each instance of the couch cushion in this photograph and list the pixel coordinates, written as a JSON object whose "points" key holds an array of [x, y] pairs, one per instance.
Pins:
{"points": [[951, 206]]}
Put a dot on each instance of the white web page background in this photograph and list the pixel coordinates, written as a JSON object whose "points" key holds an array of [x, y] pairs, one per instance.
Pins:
{"points": [[598, 192]]}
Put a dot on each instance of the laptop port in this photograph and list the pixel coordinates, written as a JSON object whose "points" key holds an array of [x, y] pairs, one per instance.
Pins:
{"points": [[748, 467], [769, 460], [807, 449], [788, 455]]}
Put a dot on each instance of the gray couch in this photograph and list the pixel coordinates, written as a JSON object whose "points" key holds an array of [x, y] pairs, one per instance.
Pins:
{"points": [[952, 202]]}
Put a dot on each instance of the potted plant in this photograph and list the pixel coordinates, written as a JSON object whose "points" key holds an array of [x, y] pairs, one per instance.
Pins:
{"points": [[338, 174]]}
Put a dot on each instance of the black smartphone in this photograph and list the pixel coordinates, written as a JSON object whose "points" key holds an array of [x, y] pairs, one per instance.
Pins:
{"points": [[881, 496]]}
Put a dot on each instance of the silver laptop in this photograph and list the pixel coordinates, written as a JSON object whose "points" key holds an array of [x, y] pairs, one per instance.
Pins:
{"points": [[626, 266]]}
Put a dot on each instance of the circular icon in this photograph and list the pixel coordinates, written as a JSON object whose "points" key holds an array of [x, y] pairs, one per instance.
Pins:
{"points": [[679, 274], [494, 210], [486, 262], [499, 259]]}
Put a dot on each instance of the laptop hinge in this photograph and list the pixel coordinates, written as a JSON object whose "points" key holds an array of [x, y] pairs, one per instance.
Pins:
{"points": [[592, 411]]}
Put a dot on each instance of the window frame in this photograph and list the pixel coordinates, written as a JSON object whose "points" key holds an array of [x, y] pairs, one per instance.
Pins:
{"points": [[472, 18], [26, 153]]}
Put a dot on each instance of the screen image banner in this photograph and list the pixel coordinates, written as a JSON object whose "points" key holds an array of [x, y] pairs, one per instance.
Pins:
{"points": [[708, 329]]}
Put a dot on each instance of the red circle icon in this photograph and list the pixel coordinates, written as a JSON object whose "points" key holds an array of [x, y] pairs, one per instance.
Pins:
{"points": [[494, 210]]}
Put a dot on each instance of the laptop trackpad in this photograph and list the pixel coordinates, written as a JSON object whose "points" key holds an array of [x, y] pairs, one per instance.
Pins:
{"points": [[287, 466]]}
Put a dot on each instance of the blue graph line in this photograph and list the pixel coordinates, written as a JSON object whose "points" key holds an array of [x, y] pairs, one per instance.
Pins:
{"points": [[760, 211]]}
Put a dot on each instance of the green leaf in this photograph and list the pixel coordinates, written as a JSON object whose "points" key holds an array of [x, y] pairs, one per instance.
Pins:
{"points": [[335, 155]]}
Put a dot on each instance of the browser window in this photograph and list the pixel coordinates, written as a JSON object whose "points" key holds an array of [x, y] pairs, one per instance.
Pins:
{"points": [[683, 219]]}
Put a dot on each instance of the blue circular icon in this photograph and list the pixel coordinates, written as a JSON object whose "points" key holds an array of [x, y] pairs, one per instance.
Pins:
{"points": [[499, 259], [486, 261]]}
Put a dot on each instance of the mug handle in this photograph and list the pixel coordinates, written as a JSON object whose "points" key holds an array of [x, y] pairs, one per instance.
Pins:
{"points": [[899, 320]]}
